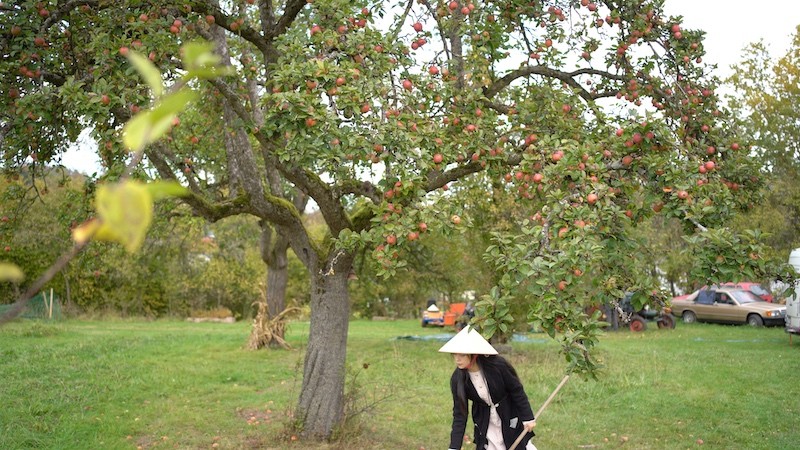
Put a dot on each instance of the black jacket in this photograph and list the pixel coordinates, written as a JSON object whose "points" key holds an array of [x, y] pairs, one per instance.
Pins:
{"points": [[506, 391]]}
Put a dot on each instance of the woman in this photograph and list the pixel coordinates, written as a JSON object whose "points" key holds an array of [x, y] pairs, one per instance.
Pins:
{"points": [[500, 408]]}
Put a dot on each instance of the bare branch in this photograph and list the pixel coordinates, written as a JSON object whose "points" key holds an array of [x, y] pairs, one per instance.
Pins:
{"points": [[697, 224], [393, 34], [18, 306], [566, 77]]}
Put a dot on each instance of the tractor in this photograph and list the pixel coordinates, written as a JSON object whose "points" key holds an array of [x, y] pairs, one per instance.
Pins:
{"points": [[623, 312]]}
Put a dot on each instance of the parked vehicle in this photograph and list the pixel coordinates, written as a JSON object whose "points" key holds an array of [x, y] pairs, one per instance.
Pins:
{"points": [[457, 315], [725, 304], [793, 302], [755, 288], [623, 312], [432, 316]]}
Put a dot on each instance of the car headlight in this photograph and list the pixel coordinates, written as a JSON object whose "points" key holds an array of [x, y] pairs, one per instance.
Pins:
{"points": [[776, 313]]}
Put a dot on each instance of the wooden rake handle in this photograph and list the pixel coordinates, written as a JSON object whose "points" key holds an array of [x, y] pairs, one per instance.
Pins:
{"points": [[539, 412]]}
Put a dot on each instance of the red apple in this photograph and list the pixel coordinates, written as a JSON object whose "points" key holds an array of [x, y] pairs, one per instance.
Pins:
{"points": [[417, 27], [407, 85], [423, 227], [413, 236], [438, 158], [591, 198], [433, 70]]}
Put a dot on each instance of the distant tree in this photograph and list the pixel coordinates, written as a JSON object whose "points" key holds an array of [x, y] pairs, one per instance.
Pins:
{"points": [[765, 100]]}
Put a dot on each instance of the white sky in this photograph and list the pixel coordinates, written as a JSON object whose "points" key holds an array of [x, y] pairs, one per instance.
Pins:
{"points": [[729, 27]]}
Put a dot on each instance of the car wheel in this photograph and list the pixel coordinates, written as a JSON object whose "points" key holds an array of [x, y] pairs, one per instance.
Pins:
{"points": [[637, 324], [754, 320], [689, 317], [666, 322]]}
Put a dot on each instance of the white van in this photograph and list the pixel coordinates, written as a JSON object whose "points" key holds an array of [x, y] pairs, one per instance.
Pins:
{"points": [[793, 302]]}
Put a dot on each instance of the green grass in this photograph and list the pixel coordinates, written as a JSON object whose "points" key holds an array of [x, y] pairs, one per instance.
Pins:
{"points": [[162, 384]]}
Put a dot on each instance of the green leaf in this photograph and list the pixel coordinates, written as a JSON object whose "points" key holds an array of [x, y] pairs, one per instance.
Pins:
{"points": [[125, 211], [11, 272], [148, 71], [136, 131], [199, 54], [163, 189], [150, 125], [200, 61]]}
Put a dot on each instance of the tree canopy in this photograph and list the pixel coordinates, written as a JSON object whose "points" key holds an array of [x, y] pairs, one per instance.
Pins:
{"points": [[580, 118]]}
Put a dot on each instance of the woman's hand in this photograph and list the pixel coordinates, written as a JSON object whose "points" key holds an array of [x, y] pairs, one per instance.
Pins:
{"points": [[529, 425]]}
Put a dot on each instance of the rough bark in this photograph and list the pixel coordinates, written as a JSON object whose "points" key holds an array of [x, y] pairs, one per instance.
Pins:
{"points": [[321, 404], [275, 256]]}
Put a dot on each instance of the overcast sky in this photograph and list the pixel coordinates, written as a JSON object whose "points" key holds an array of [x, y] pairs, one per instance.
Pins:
{"points": [[729, 27]]}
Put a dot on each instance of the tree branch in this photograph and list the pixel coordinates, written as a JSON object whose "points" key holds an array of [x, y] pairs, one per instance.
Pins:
{"points": [[566, 77], [247, 33], [293, 8]]}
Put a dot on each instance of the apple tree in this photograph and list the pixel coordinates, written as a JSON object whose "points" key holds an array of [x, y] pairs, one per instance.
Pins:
{"points": [[594, 115]]}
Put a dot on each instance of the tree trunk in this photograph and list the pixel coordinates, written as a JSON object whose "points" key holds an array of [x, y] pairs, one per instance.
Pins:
{"points": [[277, 279], [321, 405], [274, 253]]}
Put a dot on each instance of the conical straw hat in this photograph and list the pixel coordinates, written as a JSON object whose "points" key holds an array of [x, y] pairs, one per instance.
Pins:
{"points": [[433, 308], [468, 342]]}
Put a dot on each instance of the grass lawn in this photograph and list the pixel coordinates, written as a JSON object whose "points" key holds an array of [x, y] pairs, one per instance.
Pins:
{"points": [[167, 384]]}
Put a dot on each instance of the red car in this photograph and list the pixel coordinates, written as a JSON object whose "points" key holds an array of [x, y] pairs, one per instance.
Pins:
{"points": [[755, 288]]}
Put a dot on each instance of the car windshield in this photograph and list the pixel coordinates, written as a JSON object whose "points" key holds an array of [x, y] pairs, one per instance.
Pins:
{"points": [[744, 297], [758, 290]]}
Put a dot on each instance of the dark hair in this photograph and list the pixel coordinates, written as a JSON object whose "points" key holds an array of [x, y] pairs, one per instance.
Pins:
{"points": [[496, 362]]}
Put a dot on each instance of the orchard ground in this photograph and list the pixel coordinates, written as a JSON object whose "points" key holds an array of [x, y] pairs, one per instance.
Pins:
{"points": [[118, 384]]}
